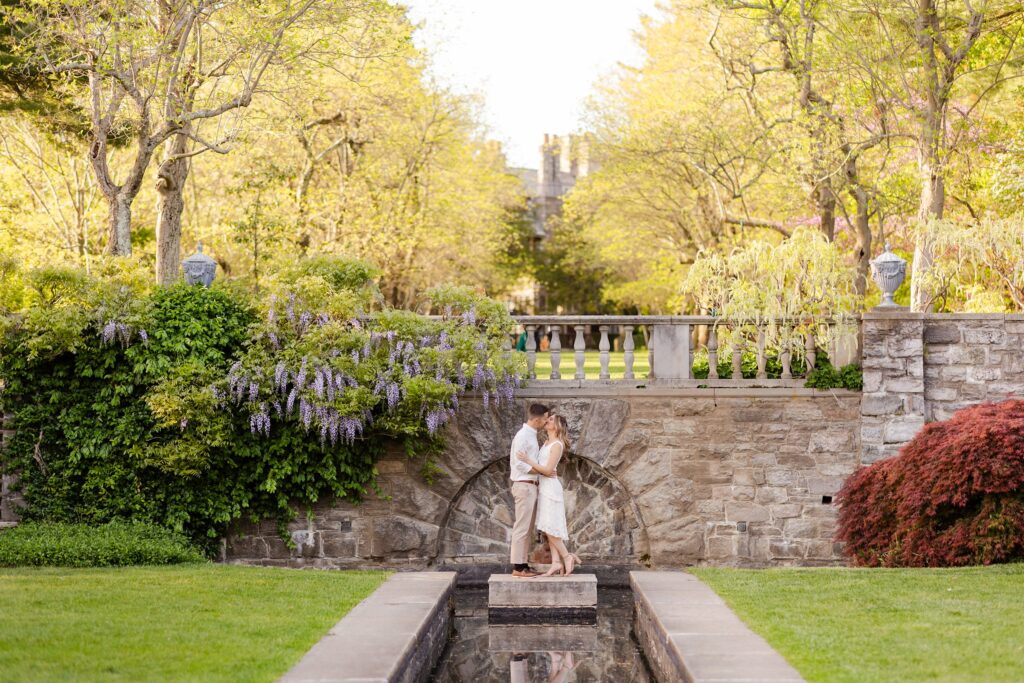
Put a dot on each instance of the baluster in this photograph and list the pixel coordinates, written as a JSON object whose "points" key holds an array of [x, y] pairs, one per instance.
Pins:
{"points": [[810, 350], [556, 353], [785, 354], [761, 359], [627, 350], [507, 344], [712, 352], [603, 346], [531, 351], [580, 344], [737, 354], [650, 353]]}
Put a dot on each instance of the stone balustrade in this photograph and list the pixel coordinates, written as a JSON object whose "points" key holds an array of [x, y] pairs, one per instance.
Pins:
{"points": [[672, 342]]}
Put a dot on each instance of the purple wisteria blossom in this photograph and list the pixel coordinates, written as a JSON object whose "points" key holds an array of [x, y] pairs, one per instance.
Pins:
{"points": [[393, 393], [306, 413], [319, 384], [289, 310], [290, 403], [109, 332], [280, 377]]}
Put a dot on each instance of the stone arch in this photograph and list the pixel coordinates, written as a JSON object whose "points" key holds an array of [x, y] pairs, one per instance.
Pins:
{"points": [[605, 525]]}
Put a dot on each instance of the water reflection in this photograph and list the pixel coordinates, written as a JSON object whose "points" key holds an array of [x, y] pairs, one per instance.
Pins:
{"points": [[531, 653]]}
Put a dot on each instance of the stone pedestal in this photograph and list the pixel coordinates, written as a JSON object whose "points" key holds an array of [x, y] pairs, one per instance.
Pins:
{"points": [[552, 600], [542, 638]]}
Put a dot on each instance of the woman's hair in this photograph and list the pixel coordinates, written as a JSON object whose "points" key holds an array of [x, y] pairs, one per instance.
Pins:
{"points": [[561, 431]]}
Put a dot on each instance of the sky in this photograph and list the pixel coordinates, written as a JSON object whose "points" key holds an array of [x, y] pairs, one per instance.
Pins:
{"points": [[533, 61]]}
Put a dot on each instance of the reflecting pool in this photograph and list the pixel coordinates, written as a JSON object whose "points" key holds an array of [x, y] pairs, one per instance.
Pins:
{"points": [[480, 652]]}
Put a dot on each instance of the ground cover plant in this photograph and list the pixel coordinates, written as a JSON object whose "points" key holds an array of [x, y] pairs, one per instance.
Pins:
{"points": [[203, 622], [867, 625], [953, 496], [192, 408]]}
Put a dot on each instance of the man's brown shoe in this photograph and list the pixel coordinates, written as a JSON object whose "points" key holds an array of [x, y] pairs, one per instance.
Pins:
{"points": [[524, 573]]}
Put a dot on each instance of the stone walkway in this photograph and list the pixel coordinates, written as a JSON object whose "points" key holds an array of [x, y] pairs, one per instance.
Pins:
{"points": [[689, 634]]}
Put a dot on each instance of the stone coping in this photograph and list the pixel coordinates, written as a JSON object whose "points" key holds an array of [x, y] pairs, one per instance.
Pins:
{"points": [[541, 388], [905, 314], [395, 635], [689, 634]]}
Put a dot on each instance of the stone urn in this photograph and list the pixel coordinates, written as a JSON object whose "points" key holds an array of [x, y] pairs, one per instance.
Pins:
{"points": [[888, 271], [199, 269]]}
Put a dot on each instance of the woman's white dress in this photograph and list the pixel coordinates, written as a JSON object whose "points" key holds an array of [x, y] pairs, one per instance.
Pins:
{"points": [[550, 500]]}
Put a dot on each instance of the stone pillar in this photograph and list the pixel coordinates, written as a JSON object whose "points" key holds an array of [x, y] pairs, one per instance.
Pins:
{"points": [[892, 405], [10, 501], [671, 345]]}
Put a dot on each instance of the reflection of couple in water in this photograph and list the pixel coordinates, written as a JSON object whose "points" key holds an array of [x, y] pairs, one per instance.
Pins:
{"points": [[561, 664]]}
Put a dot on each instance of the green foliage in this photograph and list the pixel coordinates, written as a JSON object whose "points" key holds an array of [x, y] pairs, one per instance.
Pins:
{"points": [[115, 544], [180, 407], [825, 376]]}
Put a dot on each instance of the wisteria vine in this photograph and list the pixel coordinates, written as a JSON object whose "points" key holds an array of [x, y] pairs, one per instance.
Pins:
{"points": [[377, 374]]}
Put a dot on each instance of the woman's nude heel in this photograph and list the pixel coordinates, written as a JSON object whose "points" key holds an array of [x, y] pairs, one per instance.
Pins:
{"points": [[555, 570]]}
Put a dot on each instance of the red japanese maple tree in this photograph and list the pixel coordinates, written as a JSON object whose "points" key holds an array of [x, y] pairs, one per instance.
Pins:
{"points": [[953, 496]]}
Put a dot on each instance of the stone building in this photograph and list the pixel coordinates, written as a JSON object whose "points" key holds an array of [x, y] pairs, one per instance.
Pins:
{"points": [[563, 160]]}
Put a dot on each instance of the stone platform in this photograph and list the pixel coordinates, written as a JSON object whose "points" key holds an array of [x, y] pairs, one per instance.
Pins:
{"points": [[548, 599], [542, 638]]}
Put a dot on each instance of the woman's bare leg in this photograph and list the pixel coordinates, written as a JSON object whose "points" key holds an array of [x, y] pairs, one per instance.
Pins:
{"points": [[556, 559], [557, 545]]}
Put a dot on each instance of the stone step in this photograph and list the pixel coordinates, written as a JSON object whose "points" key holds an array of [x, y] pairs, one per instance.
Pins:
{"points": [[542, 599]]}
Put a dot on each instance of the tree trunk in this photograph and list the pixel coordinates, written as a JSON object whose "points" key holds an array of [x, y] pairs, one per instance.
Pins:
{"points": [[170, 186], [827, 209], [119, 225], [933, 203], [862, 227]]}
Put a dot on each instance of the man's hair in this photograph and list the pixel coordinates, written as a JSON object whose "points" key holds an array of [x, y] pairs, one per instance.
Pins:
{"points": [[538, 410]]}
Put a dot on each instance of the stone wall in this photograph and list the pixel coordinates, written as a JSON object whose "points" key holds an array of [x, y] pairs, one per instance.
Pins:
{"points": [[660, 477], [920, 368], [10, 499]]}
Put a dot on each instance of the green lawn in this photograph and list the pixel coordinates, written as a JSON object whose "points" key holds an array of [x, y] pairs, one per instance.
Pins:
{"points": [[177, 623], [863, 625], [592, 364]]}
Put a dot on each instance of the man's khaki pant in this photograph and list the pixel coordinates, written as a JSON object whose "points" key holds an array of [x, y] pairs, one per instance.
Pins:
{"points": [[525, 496]]}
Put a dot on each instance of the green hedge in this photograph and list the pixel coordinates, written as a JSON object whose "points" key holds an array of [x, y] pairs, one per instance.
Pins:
{"points": [[42, 544]]}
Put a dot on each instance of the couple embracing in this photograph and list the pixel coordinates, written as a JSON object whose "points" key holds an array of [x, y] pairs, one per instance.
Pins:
{"points": [[538, 493]]}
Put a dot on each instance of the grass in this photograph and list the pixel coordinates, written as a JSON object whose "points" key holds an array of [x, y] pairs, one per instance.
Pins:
{"points": [[592, 364], [200, 622], [866, 625]]}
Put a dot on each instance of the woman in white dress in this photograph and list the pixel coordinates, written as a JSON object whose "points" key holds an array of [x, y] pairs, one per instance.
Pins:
{"points": [[550, 496]]}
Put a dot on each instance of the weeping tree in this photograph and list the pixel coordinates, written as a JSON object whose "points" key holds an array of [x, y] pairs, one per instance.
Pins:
{"points": [[171, 78]]}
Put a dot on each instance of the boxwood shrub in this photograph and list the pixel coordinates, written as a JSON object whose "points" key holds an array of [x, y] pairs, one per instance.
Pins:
{"points": [[118, 543]]}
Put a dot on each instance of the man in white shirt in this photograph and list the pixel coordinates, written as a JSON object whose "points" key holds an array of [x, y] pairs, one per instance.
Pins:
{"points": [[524, 488]]}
